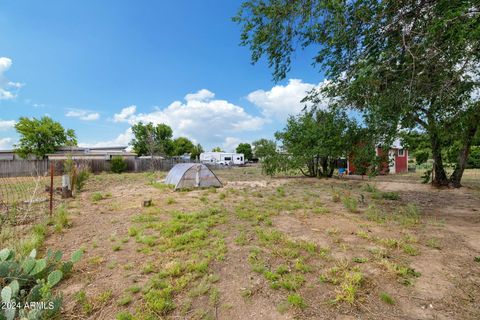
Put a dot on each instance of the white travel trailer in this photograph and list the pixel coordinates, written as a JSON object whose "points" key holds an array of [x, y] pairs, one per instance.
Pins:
{"points": [[225, 158]]}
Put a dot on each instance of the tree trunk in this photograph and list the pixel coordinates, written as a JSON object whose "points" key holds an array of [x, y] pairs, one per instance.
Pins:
{"points": [[324, 167], [439, 176], [331, 169], [471, 131]]}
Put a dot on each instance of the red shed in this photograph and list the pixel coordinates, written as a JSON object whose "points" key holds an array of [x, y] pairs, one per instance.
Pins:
{"points": [[396, 160]]}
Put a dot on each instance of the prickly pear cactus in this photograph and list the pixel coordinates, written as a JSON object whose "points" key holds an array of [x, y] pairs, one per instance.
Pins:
{"points": [[26, 284]]}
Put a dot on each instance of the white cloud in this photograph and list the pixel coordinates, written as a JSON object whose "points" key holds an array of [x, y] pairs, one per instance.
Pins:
{"points": [[230, 144], [202, 95], [6, 86], [6, 124], [125, 114], [83, 114], [200, 118], [122, 139], [6, 143], [283, 100]]}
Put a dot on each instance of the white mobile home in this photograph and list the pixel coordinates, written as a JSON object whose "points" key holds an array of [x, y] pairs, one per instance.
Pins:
{"points": [[225, 158]]}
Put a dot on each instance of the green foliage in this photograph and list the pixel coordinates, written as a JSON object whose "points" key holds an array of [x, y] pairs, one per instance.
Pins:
{"points": [[418, 145], [196, 151], [394, 76], [118, 164], [390, 195], [181, 146], [350, 203], [263, 148], [427, 176], [39, 137], [83, 173], [315, 140], [421, 156], [295, 300], [363, 154], [152, 140], [97, 196], [246, 149], [31, 280], [217, 149], [60, 219], [474, 157], [370, 188], [350, 285], [124, 316]]}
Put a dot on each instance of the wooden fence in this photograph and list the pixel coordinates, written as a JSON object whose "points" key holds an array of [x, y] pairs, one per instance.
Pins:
{"points": [[19, 168]]}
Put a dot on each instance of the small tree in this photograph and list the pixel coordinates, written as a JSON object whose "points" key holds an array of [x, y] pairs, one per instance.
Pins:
{"points": [[197, 150], [314, 141], [217, 149], [152, 140], [264, 147], [182, 146], [118, 164], [246, 149]]}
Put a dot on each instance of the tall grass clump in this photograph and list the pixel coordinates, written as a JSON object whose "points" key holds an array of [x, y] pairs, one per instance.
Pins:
{"points": [[350, 203]]}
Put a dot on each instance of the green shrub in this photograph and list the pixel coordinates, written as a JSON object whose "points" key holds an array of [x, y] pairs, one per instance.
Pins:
{"points": [[474, 157], [421, 156], [26, 281], [118, 164]]}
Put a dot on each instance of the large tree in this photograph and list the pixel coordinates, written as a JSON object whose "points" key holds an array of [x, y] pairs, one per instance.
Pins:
{"points": [[39, 137], [152, 139], [409, 64], [246, 149]]}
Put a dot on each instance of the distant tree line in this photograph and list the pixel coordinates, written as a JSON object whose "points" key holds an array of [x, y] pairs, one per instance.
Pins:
{"points": [[157, 140]]}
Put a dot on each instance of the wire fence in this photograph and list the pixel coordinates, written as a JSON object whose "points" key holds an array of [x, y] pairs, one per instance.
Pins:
{"points": [[25, 184], [26, 199]]}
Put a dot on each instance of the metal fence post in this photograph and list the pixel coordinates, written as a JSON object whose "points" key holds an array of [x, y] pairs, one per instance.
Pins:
{"points": [[51, 187]]}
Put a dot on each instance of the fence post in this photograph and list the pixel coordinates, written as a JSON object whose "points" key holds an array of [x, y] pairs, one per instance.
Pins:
{"points": [[51, 187]]}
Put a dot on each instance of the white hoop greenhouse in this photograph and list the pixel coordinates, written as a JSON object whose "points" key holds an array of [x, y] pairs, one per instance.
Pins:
{"points": [[192, 175]]}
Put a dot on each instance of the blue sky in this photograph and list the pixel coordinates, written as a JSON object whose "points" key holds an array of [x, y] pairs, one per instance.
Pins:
{"points": [[100, 66]]}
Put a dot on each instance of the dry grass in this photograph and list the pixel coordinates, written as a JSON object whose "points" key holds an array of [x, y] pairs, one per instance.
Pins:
{"points": [[282, 247]]}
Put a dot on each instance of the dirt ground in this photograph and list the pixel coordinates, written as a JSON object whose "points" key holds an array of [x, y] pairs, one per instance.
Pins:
{"points": [[272, 248]]}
